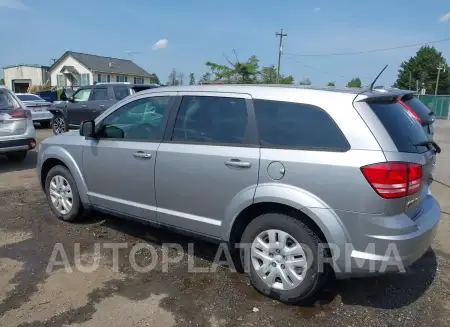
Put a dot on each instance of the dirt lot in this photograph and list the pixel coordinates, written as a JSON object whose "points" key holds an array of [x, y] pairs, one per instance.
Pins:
{"points": [[29, 296]]}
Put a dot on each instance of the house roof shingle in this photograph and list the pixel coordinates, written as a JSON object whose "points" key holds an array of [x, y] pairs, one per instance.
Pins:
{"points": [[101, 64]]}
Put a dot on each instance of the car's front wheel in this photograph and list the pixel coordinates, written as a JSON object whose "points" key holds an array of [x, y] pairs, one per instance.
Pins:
{"points": [[62, 194], [281, 258], [59, 124]]}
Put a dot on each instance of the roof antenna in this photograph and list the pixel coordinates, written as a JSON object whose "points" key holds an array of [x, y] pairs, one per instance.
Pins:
{"points": [[376, 78]]}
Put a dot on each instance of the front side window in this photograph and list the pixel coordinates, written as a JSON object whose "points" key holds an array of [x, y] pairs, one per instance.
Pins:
{"points": [[121, 92], [99, 94], [82, 95], [297, 125], [143, 120], [214, 120]]}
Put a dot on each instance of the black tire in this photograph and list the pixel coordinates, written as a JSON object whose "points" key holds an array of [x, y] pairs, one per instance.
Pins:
{"points": [[59, 124], [18, 156], [313, 279], [45, 124], [77, 210]]}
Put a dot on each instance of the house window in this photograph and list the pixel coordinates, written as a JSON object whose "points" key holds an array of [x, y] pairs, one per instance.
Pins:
{"points": [[138, 80], [121, 79], [109, 78], [101, 78], [85, 79], [61, 80]]}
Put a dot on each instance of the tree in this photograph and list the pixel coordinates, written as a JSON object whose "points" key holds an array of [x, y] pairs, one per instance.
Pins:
{"points": [[2, 81], [355, 82], [268, 75], [173, 78], [239, 72], [305, 81], [331, 84], [154, 79], [191, 79], [206, 77], [424, 68]]}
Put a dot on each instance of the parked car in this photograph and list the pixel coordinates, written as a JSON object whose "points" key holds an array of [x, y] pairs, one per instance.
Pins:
{"points": [[38, 107], [416, 108], [17, 133], [88, 102], [283, 169]]}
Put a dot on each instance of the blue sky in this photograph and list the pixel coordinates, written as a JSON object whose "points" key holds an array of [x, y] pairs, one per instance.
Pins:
{"points": [[34, 31]]}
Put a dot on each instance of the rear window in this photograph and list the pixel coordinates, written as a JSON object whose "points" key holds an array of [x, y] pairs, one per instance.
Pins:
{"points": [[297, 125], [7, 101], [29, 97], [404, 130], [419, 108]]}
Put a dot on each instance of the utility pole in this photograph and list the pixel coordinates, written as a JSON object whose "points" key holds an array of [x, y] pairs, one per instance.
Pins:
{"points": [[439, 68], [280, 50]]}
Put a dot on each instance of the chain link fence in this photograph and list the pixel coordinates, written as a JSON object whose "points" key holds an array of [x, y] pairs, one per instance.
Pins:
{"points": [[439, 104]]}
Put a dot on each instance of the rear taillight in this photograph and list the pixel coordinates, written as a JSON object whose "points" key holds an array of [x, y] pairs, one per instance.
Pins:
{"points": [[411, 111], [19, 113], [394, 179]]}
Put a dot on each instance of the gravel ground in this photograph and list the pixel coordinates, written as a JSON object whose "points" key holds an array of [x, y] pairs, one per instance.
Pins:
{"points": [[32, 296]]}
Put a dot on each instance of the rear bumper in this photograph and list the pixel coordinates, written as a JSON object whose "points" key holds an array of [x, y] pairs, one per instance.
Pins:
{"points": [[41, 116], [17, 145], [389, 244]]}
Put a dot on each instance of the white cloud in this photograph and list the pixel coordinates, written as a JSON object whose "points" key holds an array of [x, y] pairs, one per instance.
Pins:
{"points": [[445, 18], [13, 4], [316, 9], [161, 44]]}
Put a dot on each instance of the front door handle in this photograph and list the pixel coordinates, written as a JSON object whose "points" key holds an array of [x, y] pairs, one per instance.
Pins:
{"points": [[142, 155], [236, 163], [83, 106], [102, 105]]}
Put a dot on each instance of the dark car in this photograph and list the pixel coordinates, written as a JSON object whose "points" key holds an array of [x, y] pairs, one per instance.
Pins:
{"points": [[88, 102]]}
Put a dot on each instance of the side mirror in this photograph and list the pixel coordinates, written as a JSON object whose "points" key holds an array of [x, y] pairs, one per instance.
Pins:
{"points": [[87, 128], [71, 99]]}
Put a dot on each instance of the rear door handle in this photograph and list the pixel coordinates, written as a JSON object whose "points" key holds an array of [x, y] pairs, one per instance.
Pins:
{"points": [[83, 106], [236, 163], [102, 105], [142, 155]]}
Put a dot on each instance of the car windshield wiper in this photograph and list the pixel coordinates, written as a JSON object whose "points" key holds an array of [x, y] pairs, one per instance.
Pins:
{"points": [[437, 148]]}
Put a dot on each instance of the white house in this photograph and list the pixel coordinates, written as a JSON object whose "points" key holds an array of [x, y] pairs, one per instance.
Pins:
{"points": [[19, 77], [78, 69]]}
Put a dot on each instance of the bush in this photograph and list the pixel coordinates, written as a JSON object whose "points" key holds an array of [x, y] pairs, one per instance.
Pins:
{"points": [[39, 87]]}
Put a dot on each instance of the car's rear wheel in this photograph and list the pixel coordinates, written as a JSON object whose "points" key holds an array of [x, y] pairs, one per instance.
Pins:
{"points": [[281, 258], [62, 194], [18, 156], [59, 124]]}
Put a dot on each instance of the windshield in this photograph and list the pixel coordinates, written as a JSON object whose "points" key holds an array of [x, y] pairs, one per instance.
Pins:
{"points": [[7, 101], [29, 97]]}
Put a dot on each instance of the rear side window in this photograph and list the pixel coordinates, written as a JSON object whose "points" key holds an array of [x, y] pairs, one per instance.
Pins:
{"points": [[296, 125], [99, 94], [404, 130], [419, 108], [121, 92]]}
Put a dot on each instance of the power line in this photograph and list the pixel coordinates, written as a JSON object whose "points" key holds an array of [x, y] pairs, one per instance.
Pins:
{"points": [[324, 72], [363, 52]]}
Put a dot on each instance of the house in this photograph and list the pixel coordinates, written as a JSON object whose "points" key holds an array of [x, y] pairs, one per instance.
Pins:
{"points": [[19, 77], [78, 69]]}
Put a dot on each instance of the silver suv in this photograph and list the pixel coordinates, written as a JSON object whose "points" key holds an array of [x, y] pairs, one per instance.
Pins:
{"points": [[302, 176]]}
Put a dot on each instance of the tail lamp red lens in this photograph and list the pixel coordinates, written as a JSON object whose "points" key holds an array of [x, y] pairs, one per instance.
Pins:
{"points": [[411, 111], [19, 113], [394, 179]]}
